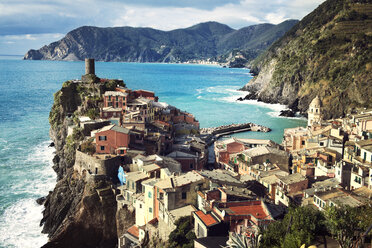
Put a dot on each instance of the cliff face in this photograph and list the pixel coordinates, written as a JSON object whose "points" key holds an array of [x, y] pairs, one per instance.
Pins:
{"points": [[202, 41], [328, 53], [78, 212]]}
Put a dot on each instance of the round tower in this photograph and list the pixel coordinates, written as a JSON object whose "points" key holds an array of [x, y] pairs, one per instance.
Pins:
{"points": [[314, 113], [89, 66]]}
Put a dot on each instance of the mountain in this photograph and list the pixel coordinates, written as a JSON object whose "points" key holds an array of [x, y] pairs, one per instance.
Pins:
{"points": [[328, 53], [208, 40]]}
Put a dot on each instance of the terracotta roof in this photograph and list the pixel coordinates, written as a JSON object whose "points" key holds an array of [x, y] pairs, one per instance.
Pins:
{"points": [[133, 230], [256, 210], [207, 219]]}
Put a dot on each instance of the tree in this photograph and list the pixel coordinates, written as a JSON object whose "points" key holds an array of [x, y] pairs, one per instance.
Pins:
{"points": [[183, 236], [347, 225], [300, 226]]}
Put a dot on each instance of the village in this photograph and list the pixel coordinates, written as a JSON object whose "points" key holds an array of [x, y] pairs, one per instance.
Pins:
{"points": [[157, 158]]}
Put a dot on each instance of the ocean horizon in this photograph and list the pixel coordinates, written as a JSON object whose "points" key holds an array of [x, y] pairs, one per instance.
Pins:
{"points": [[209, 92]]}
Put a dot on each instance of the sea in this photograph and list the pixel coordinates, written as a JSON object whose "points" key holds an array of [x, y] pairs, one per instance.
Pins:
{"points": [[26, 96]]}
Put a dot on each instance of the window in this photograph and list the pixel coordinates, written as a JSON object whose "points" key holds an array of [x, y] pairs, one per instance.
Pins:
{"points": [[117, 104], [183, 195], [321, 143], [191, 166], [102, 148], [121, 151], [109, 98], [117, 98], [150, 210], [303, 142], [102, 138], [140, 205], [316, 110], [132, 185], [149, 194]]}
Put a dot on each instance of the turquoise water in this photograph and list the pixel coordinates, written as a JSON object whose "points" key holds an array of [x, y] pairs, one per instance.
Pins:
{"points": [[26, 95]]}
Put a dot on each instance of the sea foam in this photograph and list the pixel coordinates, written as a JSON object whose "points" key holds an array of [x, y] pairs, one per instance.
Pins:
{"points": [[20, 222]]}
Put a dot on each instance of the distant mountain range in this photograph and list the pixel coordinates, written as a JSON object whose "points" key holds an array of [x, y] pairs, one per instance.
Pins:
{"points": [[210, 40], [328, 53]]}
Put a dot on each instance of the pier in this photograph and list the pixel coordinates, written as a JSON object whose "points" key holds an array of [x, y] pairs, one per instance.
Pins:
{"points": [[213, 133]]}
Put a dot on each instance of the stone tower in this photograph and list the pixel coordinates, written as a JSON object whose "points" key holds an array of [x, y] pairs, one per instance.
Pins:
{"points": [[89, 66], [314, 113]]}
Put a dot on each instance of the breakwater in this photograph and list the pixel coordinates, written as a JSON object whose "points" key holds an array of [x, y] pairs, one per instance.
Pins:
{"points": [[211, 134]]}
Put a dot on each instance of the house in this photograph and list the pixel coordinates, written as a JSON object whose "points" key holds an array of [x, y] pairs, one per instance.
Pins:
{"points": [[289, 188], [260, 155], [223, 149], [188, 161], [295, 138], [130, 238], [114, 104], [138, 112], [336, 197], [132, 187], [112, 140], [218, 178], [163, 162], [150, 95], [243, 217], [323, 185], [176, 192]]}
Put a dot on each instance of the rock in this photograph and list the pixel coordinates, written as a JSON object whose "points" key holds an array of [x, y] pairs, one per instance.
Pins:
{"points": [[251, 96], [51, 144], [41, 200], [287, 113], [240, 99]]}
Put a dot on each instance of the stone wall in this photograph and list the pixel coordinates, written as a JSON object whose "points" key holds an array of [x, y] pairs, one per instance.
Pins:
{"points": [[86, 164]]}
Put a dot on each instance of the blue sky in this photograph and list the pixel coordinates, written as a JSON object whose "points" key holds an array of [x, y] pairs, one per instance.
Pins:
{"points": [[30, 24]]}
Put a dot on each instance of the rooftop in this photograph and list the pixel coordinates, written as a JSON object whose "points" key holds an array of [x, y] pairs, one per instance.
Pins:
{"points": [[223, 176], [134, 231], [115, 93], [338, 197], [182, 211], [151, 167], [262, 150], [178, 154], [178, 181], [253, 208], [136, 176], [292, 178], [207, 219], [114, 128]]}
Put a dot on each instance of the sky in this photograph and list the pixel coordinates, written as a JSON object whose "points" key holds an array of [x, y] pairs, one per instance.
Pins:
{"points": [[31, 24]]}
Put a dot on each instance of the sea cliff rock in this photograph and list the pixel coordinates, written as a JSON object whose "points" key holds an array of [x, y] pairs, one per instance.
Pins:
{"points": [[76, 213], [327, 54]]}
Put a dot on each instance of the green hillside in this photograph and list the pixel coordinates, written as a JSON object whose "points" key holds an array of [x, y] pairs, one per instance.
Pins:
{"points": [[328, 53], [210, 40]]}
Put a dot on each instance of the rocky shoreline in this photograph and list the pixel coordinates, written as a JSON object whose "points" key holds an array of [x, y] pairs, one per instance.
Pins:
{"points": [[290, 112]]}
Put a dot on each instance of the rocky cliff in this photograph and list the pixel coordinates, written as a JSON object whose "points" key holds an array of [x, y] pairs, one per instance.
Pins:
{"points": [[328, 53], [203, 41], [78, 212]]}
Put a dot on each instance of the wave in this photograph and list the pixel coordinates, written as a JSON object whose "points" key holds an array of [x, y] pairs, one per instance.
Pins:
{"points": [[19, 223], [231, 94]]}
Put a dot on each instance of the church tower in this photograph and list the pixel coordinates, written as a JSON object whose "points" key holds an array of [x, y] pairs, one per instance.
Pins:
{"points": [[314, 114]]}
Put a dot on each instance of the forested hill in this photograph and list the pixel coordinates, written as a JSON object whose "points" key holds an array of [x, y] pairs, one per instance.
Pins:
{"points": [[210, 40], [328, 53]]}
